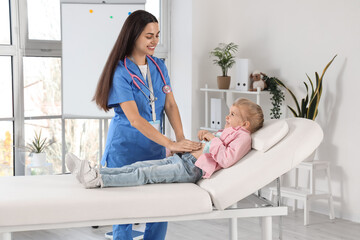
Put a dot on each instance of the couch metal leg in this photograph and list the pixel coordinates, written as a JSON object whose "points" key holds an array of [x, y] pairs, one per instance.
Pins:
{"points": [[278, 188], [233, 224], [233, 229], [266, 228]]}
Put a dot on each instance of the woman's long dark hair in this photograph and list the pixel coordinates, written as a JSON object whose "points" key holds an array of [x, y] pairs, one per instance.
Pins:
{"points": [[133, 26]]}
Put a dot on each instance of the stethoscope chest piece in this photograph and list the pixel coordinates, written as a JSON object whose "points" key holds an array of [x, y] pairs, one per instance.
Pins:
{"points": [[166, 89]]}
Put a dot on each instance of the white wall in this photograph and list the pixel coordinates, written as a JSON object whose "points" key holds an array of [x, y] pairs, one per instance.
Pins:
{"points": [[181, 60], [286, 39]]}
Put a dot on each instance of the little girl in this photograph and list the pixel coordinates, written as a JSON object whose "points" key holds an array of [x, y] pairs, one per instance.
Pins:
{"points": [[223, 150]]}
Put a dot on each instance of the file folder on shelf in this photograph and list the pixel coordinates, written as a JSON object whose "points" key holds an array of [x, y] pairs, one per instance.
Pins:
{"points": [[218, 112], [242, 68], [221, 113], [213, 106]]}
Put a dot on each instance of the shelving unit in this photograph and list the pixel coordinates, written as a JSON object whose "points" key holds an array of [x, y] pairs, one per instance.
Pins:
{"points": [[224, 92]]}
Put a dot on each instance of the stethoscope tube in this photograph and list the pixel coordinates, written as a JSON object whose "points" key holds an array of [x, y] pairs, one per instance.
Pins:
{"points": [[166, 88]]}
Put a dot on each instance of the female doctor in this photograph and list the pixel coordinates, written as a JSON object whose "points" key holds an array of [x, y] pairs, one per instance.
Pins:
{"points": [[137, 86]]}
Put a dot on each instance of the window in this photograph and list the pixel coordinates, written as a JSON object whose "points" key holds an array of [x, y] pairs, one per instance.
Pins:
{"points": [[6, 149], [82, 138], [153, 6], [4, 22], [42, 86], [6, 117], [44, 19], [6, 94], [51, 130], [6, 87], [159, 10]]}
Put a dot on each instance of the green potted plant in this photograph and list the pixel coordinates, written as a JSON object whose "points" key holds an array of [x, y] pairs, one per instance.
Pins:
{"points": [[36, 149], [308, 106], [224, 54]]}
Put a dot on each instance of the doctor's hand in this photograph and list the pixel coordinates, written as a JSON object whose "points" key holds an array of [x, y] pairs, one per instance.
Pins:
{"points": [[184, 146]]}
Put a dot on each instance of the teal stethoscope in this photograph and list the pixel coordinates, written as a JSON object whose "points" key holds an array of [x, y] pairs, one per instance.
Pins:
{"points": [[166, 88]]}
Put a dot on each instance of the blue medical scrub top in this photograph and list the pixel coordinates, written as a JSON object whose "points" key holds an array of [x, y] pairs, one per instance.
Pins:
{"points": [[125, 144]]}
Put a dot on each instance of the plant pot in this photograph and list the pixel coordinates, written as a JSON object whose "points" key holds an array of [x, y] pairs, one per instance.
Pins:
{"points": [[223, 82], [38, 159]]}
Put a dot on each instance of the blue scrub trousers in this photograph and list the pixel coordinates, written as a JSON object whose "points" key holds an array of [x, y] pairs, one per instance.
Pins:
{"points": [[153, 231]]}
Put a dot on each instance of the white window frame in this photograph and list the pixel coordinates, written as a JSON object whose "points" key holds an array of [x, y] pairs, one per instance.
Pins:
{"points": [[31, 47], [14, 51], [162, 49]]}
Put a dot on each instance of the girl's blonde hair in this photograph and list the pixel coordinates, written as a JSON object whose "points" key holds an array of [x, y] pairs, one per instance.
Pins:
{"points": [[253, 114]]}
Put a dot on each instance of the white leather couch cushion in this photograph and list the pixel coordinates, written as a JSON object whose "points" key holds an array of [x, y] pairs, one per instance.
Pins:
{"points": [[257, 169], [61, 199], [270, 134]]}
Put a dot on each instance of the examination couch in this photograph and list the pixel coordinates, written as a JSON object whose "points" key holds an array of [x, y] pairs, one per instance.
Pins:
{"points": [[59, 201]]}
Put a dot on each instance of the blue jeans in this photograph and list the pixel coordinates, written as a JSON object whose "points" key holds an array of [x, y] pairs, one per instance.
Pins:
{"points": [[173, 169]]}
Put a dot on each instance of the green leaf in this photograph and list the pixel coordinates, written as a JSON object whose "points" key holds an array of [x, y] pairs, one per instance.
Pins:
{"points": [[319, 87], [311, 113], [293, 111], [311, 83], [291, 93], [315, 99], [308, 107], [312, 86], [307, 87], [327, 66], [38, 144], [304, 104], [317, 79], [225, 54]]}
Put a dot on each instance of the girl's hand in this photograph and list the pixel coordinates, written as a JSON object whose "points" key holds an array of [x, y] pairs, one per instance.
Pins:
{"points": [[184, 146], [208, 136], [201, 134]]}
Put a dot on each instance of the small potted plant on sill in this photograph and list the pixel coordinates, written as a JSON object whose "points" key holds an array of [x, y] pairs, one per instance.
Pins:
{"points": [[36, 148], [224, 54]]}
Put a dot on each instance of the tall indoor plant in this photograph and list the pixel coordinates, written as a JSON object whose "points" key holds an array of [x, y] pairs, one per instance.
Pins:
{"points": [[308, 106], [224, 54]]}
